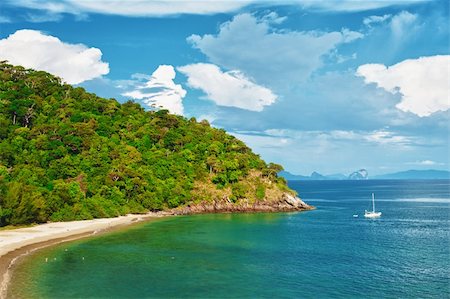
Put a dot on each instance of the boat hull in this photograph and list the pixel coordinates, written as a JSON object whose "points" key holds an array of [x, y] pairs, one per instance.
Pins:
{"points": [[372, 214]]}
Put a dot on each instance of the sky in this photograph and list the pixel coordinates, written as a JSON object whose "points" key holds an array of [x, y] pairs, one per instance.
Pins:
{"points": [[326, 86]]}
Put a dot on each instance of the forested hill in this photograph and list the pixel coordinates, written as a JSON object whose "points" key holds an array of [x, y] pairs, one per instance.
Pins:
{"points": [[68, 154]]}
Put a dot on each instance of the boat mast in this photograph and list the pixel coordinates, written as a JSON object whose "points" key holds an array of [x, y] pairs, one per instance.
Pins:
{"points": [[373, 202]]}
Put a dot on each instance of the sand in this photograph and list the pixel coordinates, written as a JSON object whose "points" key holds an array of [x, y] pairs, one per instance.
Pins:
{"points": [[16, 243]]}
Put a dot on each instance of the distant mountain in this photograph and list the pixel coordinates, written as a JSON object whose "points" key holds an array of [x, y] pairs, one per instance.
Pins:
{"points": [[315, 176], [361, 174], [429, 174], [292, 177]]}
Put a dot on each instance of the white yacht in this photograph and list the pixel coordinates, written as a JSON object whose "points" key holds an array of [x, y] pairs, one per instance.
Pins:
{"points": [[372, 214]]}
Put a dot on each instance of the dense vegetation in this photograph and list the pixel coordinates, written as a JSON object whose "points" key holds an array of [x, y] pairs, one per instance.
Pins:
{"points": [[67, 154]]}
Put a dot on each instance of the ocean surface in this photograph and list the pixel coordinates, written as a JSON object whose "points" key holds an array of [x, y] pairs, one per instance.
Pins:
{"points": [[325, 253]]}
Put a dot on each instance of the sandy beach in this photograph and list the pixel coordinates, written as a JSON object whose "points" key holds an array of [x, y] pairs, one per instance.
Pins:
{"points": [[16, 243]]}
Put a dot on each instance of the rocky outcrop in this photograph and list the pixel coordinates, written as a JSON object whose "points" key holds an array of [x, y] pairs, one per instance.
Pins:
{"points": [[287, 203], [295, 202], [361, 174]]}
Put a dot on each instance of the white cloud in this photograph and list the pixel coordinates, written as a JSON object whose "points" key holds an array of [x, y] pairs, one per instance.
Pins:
{"points": [[74, 63], [379, 137], [401, 23], [41, 18], [254, 47], [402, 26], [352, 5], [425, 163], [136, 8], [231, 88], [139, 8], [160, 91], [325, 151], [375, 19], [386, 137], [423, 83], [273, 18]]}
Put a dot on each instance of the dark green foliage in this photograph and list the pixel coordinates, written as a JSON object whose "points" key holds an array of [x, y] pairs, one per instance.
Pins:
{"points": [[238, 191], [67, 154], [260, 191]]}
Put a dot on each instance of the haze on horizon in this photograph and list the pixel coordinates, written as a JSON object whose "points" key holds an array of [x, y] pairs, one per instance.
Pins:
{"points": [[321, 86]]}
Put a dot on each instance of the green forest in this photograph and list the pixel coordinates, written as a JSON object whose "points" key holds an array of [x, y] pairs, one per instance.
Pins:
{"points": [[66, 154]]}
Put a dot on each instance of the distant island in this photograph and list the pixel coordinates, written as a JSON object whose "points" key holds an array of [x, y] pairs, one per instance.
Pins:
{"points": [[363, 174], [429, 174], [66, 154]]}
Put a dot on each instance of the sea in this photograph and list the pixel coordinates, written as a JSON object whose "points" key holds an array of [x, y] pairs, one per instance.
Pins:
{"points": [[324, 253]]}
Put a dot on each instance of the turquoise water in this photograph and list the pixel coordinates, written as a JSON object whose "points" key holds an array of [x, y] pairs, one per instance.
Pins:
{"points": [[324, 253]]}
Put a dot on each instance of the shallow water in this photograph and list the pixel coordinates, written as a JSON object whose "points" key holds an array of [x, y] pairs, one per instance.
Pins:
{"points": [[325, 253]]}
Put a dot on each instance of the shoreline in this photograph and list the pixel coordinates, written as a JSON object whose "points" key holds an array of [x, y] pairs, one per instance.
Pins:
{"points": [[18, 243]]}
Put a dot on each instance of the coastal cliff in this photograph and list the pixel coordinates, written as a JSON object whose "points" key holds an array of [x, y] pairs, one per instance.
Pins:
{"points": [[287, 203]]}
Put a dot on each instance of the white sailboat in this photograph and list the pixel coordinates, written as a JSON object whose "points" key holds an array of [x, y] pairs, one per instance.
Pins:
{"points": [[372, 214]]}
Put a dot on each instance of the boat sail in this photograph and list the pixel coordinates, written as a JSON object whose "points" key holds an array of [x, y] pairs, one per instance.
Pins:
{"points": [[372, 214]]}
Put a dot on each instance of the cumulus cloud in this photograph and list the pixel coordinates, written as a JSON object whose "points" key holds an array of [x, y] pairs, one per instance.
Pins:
{"points": [[423, 83], [230, 88], [74, 63], [160, 91], [253, 46]]}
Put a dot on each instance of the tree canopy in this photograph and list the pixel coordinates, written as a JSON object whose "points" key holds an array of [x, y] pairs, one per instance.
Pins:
{"points": [[67, 154]]}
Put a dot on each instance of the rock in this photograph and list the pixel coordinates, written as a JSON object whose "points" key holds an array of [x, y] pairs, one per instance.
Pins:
{"points": [[286, 203], [361, 174], [295, 201]]}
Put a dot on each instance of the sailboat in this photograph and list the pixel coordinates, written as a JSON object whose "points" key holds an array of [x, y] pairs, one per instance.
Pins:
{"points": [[372, 214]]}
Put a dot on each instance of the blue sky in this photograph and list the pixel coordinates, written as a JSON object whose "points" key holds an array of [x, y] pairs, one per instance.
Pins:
{"points": [[327, 86]]}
